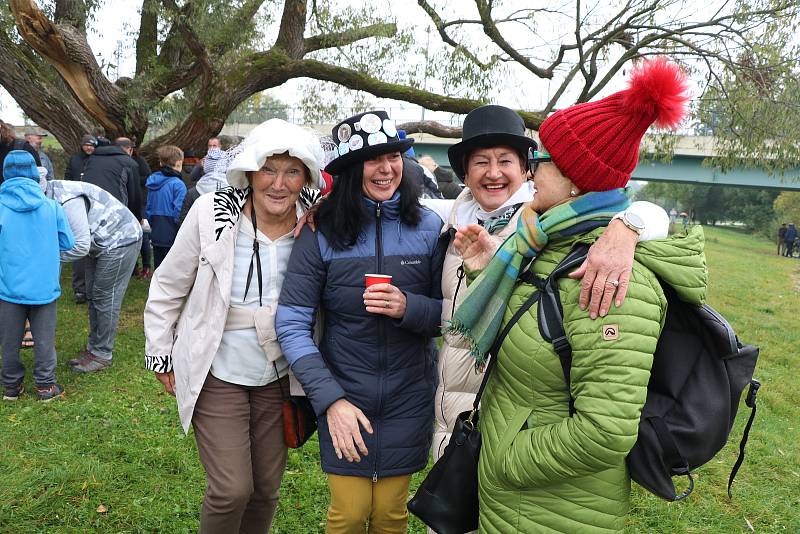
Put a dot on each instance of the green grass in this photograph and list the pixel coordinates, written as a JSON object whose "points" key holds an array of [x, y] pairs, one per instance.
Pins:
{"points": [[116, 440]]}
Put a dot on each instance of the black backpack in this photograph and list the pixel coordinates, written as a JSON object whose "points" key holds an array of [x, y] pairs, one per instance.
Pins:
{"points": [[699, 372]]}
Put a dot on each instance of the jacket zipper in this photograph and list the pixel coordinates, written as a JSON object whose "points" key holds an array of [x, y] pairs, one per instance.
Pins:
{"points": [[381, 337]]}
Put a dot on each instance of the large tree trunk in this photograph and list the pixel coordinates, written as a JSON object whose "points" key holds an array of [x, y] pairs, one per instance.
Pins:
{"points": [[47, 102]]}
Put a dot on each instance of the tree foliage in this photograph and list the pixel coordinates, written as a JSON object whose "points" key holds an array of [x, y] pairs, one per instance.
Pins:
{"points": [[216, 54], [711, 204], [787, 207], [752, 104]]}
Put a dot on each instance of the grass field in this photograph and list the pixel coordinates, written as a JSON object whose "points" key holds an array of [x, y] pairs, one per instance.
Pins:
{"points": [[112, 458]]}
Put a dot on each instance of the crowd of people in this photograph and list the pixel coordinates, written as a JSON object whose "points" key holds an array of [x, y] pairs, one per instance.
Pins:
{"points": [[260, 291]]}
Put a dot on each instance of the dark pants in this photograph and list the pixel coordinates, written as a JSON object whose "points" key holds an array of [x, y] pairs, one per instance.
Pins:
{"points": [[43, 328], [147, 252], [789, 247], [239, 433], [159, 253], [79, 276]]}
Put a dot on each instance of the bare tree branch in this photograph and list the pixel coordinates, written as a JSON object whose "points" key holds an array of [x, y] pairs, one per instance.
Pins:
{"points": [[47, 103], [147, 40], [72, 12], [67, 50], [430, 127], [360, 82], [490, 29], [182, 20], [332, 40], [293, 25], [441, 27]]}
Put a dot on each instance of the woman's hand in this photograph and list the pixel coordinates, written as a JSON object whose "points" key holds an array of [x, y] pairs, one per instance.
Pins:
{"points": [[343, 420], [607, 269], [168, 379], [308, 219], [385, 299], [475, 246]]}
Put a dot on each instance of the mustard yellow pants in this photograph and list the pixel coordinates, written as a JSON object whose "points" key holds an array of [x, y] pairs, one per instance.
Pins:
{"points": [[359, 505]]}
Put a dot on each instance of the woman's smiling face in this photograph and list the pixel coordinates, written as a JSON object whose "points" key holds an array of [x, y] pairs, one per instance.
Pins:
{"points": [[382, 176], [493, 175]]}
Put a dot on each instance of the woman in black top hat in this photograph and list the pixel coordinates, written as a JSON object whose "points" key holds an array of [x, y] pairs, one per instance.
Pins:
{"points": [[492, 160], [371, 380]]}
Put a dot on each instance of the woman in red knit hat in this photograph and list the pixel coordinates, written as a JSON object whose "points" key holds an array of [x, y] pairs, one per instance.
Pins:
{"points": [[554, 448]]}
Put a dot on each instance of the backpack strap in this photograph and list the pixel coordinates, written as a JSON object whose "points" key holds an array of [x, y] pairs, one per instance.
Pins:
{"points": [[551, 314], [750, 401]]}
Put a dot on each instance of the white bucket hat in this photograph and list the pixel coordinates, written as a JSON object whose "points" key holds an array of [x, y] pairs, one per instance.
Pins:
{"points": [[276, 136]]}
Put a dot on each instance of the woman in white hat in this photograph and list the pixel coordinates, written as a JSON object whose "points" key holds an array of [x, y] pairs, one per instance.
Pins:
{"points": [[209, 323]]}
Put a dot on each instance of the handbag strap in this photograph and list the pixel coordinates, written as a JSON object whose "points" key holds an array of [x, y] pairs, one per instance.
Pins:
{"points": [[494, 350], [256, 254], [278, 379]]}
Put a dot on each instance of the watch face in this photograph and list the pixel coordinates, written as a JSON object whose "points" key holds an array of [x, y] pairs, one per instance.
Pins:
{"points": [[634, 220]]}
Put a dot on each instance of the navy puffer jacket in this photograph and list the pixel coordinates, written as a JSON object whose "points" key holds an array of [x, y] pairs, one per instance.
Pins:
{"points": [[385, 367]]}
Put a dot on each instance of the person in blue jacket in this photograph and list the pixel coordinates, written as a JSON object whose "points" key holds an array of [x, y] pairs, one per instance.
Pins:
{"points": [[166, 192], [372, 378], [33, 231]]}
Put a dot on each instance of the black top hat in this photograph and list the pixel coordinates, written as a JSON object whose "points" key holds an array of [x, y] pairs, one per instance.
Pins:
{"points": [[489, 126], [365, 136]]}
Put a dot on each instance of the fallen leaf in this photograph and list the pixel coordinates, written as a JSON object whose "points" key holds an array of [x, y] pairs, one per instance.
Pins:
{"points": [[749, 525], [102, 509]]}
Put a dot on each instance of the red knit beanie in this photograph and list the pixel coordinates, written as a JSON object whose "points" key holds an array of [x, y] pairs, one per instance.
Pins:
{"points": [[596, 144]]}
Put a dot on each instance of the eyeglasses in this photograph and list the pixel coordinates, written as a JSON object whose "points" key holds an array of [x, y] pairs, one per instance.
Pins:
{"points": [[536, 157]]}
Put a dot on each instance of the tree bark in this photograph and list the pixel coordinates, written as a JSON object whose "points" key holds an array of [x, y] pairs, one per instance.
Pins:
{"points": [[49, 104], [431, 127], [67, 50]]}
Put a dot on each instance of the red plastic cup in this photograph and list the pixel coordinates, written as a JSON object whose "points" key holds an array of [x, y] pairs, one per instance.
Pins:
{"points": [[378, 279]]}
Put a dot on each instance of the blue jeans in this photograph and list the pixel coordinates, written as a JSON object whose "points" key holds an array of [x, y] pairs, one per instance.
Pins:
{"points": [[107, 277], [43, 329]]}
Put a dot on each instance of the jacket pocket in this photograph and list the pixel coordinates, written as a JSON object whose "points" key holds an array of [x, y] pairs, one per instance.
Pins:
{"points": [[502, 469]]}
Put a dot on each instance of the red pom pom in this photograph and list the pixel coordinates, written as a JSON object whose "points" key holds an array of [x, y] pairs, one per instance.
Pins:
{"points": [[659, 91]]}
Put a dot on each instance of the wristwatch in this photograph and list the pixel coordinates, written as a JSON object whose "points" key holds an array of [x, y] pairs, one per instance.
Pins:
{"points": [[632, 221]]}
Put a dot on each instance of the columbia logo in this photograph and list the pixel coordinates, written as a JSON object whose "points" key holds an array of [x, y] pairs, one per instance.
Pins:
{"points": [[410, 262]]}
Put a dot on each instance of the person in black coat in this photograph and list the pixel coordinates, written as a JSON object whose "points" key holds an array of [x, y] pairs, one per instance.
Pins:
{"points": [[448, 183], [9, 142], [147, 249], [113, 169], [77, 162]]}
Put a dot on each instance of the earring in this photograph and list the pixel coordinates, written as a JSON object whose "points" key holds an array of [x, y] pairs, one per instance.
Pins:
{"points": [[573, 193]]}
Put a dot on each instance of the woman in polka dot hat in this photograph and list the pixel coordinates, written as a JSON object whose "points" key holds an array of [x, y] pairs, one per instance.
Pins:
{"points": [[372, 377]]}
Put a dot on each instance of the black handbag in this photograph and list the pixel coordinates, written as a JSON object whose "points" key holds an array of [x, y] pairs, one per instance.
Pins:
{"points": [[447, 500]]}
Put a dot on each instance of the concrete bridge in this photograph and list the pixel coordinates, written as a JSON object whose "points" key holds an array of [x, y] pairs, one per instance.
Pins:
{"points": [[686, 166]]}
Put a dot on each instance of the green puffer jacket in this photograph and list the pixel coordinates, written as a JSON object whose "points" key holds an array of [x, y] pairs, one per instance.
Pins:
{"points": [[541, 471]]}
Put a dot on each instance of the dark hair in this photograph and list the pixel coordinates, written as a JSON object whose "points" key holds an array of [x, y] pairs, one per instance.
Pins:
{"points": [[343, 215], [123, 142]]}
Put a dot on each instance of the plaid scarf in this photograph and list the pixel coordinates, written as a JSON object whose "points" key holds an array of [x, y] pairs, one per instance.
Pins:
{"points": [[495, 224], [480, 315]]}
